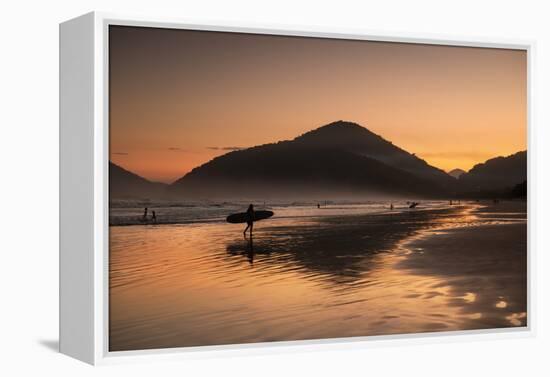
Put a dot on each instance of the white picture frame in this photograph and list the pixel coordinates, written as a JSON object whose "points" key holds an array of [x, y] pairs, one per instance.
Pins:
{"points": [[84, 192]]}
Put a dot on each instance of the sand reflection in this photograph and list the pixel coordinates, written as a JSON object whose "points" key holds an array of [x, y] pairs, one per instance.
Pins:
{"points": [[203, 284]]}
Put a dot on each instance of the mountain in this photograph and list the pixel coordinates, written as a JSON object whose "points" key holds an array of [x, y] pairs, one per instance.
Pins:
{"points": [[124, 184], [496, 174], [341, 159], [456, 173], [353, 138]]}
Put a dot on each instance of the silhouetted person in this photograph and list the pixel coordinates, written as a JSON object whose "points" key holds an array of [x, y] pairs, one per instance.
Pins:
{"points": [[154, 217], [451, 202], [249, 219], [145, 214], [318, 205], [391, 206]]}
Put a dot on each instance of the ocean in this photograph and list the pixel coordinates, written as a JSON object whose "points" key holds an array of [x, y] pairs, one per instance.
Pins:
{"points": [[342, 270]]}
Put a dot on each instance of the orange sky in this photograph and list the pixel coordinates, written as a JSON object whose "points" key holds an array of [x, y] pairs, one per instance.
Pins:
{"points": [[179, 98]]}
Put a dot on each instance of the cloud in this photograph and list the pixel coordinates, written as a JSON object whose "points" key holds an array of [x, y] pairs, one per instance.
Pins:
{"points": [[176, 149], [120, 153], [225, 148]]}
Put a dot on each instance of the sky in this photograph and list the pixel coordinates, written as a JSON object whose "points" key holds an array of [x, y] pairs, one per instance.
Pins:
{"points": [[178, 98]]}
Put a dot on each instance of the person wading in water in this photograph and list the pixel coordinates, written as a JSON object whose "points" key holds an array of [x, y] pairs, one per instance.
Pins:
{"points": [[249, 219], [144, 218]]}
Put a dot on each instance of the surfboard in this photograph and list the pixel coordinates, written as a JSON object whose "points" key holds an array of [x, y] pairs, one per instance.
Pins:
{"points": [[242, 217]]}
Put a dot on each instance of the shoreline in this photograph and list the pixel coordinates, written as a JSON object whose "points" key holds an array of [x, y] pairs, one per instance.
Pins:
{"points": [[206, 285], [134, 217]]}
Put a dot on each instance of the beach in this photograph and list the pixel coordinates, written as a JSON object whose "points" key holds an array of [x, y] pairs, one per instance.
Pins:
{"points": [[485, 264], [308, 273]]}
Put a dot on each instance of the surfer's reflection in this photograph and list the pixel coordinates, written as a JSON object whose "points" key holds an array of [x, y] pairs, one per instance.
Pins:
{"points": [[245, 249], [250, 249]]}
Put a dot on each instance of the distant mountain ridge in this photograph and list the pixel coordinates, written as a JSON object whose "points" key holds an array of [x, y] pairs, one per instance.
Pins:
{"points": [[341, 157], [124, 184], [496, 173], [359, 140], [456, 173]]}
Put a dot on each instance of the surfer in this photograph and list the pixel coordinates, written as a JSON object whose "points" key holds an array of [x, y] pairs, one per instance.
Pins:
{"points": [[249, 219], [413, 204]]}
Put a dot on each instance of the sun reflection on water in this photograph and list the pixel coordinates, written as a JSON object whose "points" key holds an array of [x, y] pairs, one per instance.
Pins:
{"points": [[298, 279], [501, 304], [469, 297], [517, 319]]}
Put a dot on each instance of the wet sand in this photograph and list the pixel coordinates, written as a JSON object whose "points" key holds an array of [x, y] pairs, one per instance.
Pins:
{"points": [[458, 268], [484, 264]]}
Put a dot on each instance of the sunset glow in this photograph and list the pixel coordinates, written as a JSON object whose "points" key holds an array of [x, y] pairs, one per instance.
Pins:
{"points": [[179, 98]]}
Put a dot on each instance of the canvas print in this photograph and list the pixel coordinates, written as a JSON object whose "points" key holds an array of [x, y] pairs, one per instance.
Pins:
{"points": [[274, 188]]}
